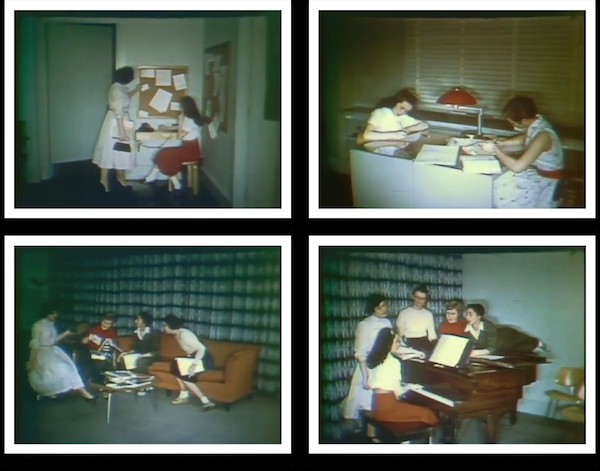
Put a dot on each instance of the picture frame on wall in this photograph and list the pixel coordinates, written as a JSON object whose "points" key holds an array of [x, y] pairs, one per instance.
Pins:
{"points": [[216, 80]]}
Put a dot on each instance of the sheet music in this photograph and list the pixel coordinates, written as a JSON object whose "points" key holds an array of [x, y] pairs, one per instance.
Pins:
{"points": [[449, 350]]}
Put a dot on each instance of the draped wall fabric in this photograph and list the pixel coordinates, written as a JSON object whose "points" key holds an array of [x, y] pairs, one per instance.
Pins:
{"points": [[230, 295], [347, 278]]}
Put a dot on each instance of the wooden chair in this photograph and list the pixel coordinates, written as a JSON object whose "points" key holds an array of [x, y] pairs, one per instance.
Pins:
{"points": [[398, 432], [569, 378], [576, 413]]}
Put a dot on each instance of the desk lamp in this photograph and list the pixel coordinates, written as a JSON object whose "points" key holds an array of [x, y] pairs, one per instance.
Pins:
{"points": [[461, 100]]}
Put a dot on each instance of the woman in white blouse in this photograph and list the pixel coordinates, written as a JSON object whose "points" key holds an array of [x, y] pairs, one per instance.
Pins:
{"points": [[195, 349], [170, 160], [385, 376], [50, 370]]}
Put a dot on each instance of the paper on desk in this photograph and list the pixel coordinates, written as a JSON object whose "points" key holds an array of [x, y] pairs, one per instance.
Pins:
{"points": [[462, 141], [437, 155], [147, 73], [179, 82], [160, 101], [163, 77]]}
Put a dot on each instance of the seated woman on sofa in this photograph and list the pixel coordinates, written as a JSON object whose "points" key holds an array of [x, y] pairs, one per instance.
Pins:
{"points": [[190, 344], [146, 342]]}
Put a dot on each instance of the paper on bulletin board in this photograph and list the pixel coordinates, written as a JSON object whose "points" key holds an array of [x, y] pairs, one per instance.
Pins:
{"points": [[175, 106], [145, 87], [179, 82], [160, 101], [163, 77], [149, 73]]}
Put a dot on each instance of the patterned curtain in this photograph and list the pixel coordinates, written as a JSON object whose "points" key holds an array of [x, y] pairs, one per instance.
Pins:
{"points": [[221, 293], [348, 276]]}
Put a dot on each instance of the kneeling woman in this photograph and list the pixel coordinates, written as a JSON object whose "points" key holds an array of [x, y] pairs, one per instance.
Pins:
{"points": [[190, 344], [170, 160], [384, 379]]}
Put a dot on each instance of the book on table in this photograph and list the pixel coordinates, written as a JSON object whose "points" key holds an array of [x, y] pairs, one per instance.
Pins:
{"points": [[486, 164], [437, 155]]}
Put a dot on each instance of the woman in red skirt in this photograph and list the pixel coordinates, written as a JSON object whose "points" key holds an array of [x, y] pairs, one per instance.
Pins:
{"points": [[169, 161], [385, 376]]}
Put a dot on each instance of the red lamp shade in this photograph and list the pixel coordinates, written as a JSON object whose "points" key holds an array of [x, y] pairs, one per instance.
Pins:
{"points": [[457, 97]]}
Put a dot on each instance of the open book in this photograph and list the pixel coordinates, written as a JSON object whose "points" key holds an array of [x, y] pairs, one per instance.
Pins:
{"points": [[480, 164], [437, 155], [130, 360]]}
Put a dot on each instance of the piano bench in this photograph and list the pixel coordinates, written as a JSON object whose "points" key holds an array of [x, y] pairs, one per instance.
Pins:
{"points": [[398, 432]]}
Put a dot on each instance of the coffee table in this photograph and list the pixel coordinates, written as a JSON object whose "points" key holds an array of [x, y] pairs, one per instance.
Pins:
{"points": [[128, 388]]}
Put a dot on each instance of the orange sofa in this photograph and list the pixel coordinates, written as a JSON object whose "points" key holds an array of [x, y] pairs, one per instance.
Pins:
{"points": [[231, 379]]}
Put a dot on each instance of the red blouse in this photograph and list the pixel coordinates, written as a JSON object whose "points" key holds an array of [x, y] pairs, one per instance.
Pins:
{"points": [[457, 328]]}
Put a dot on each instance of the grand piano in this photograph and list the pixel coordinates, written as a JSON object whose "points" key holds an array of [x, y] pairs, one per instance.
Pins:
{"points": [[485, 389]]}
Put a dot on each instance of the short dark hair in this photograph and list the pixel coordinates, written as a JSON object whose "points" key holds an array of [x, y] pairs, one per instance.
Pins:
{"points": [[519, 108], [146, 317], [420, 289], [109, 316], [381, 347], [373, 301], [173, 322], [457, 304], [124, 75], [478, 308], [405, 94]]}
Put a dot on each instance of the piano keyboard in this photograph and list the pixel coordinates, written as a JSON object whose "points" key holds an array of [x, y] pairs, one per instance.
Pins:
{"points": [[436, 397]]}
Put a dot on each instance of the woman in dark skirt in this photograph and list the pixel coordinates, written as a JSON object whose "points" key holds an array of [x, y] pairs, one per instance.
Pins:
{"points": [[195, 350]]}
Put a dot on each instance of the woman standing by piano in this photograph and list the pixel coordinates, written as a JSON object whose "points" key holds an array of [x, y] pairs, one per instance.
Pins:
{"points": [[360, 395], [385, 375], [502, 339]]}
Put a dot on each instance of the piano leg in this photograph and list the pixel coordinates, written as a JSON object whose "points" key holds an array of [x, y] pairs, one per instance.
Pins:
{"points": [[492, 424]]}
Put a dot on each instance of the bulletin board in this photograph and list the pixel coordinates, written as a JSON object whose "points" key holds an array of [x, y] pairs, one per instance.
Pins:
{"points": [[161, 88]]}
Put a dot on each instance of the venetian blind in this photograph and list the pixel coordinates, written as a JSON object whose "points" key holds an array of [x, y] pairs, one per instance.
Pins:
{"points": [[542, 57]]}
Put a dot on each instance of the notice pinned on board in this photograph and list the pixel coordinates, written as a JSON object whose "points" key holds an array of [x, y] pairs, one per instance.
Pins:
{"points": [[175, 106], [179, 82], [160, 101], [145, 87], [163, 77]]}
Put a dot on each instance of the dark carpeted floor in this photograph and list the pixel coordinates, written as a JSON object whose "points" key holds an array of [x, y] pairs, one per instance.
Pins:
{"points": [[77, 185]]}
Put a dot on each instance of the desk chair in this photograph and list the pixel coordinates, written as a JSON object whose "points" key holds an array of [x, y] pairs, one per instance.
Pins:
{"points": [[576, 413], [570, 378], [398, 432]]}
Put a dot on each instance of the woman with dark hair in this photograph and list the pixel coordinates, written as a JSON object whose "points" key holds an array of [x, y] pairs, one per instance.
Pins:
{"points": [[116, 129], [390, 119], [455, 323], [50, 370], [360, 396], [385, 376], [170, 161], [146, 342], [195, 349], [489, 338], [532, 177]]}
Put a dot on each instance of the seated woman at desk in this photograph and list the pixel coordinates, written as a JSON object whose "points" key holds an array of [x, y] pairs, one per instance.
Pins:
{"points": [[502, 339], [532, 177], [170, 161], [390, 120], [455, 323], [385, 376]]}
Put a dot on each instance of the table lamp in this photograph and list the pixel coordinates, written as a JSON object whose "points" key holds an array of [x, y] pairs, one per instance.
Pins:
{"points": [[461, 100]]}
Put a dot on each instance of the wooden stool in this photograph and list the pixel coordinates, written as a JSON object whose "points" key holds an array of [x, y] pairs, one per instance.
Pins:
{"points": [[398, 432], [193, 176]]}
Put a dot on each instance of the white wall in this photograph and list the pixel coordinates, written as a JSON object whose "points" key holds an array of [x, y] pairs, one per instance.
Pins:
{"points": [[541, 293]]}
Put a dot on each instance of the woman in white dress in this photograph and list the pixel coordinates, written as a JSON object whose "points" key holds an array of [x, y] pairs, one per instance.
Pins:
{"points": [[360, 395], [50, 370], [117, 128], [531, 178]]}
